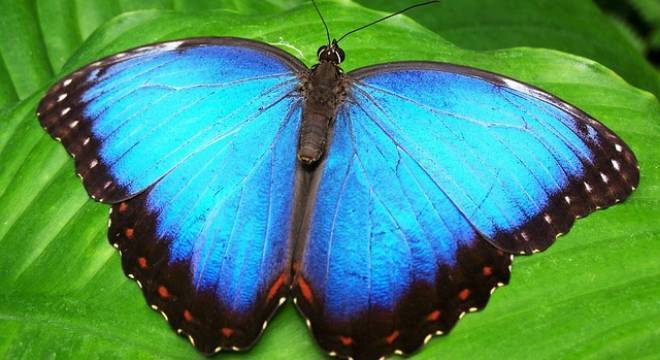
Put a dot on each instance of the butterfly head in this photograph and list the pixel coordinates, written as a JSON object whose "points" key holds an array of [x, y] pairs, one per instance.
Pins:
{"points": [[331, 53]]}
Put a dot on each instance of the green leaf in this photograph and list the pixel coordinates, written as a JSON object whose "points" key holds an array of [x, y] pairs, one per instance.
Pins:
{"points": [[593, 294], [576, 27], [649, 10]]}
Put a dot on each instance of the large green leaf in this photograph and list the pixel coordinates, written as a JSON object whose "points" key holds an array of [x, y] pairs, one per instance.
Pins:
{"points": [[594, 293], [577, 27]]}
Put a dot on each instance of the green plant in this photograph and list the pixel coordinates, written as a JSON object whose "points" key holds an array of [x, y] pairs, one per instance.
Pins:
{"points": [[594, 293]]}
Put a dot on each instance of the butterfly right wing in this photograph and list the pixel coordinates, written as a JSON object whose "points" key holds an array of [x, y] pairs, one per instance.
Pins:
{"points": [[436, 173], [132, 117]]}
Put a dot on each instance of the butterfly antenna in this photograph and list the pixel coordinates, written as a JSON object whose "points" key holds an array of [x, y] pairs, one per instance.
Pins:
{"points": [[327, 32], [387, 17]]}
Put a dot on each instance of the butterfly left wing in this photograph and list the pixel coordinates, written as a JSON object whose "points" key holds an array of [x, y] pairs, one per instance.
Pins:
{"points": [[435, 174], [192, 141]]}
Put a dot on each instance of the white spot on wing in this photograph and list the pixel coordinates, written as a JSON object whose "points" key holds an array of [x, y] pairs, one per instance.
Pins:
{"points": [[524, 235], [618, 147], [73, 124], [615, 165], [93, 163], [61, 97], [427, 338], [587, 186], [516, 85], [86, 141], [171, 45], [547, 218], [604, 177], [568, 199], [66, 82], [65, 111]]}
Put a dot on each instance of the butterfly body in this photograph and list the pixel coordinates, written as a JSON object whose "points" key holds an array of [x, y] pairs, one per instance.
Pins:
{"points": [[385, 202], [323, 90]]}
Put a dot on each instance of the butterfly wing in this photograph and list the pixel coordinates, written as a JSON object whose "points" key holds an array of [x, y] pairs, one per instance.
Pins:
{"points": [[132, 117], [430, 166], [192, 140]]}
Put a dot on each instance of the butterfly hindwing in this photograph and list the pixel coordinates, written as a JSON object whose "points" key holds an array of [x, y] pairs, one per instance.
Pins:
{"points": [[387, 261], [435, 174], [132, 117], [209, 242]]}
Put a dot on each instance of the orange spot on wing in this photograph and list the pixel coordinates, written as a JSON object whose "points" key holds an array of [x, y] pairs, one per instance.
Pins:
{"points": [[123, 207], [487, 271], [226, 332], [435, 315], [142, 262], [464, 294], [187, 315], [392, 337], [129, 233], [276, 286], [163, 292], [305, 289], [345, 340]]}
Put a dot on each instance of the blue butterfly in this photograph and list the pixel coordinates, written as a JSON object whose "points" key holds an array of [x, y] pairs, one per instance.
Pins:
{"points": [[386, 201]]}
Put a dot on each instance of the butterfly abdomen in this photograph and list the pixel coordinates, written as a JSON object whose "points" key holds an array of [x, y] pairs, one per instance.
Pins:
{"points": [[323, 93]]}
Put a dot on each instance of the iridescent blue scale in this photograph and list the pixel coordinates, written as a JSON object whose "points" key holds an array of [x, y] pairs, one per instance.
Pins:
{"points": [[433, 175]]}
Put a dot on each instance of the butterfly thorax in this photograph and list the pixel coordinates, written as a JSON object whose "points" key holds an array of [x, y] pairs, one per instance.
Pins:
{"points": [[323, 90]]}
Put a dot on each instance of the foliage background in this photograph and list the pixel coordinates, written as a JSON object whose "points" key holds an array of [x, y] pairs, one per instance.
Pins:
{"points": [[596, 293]]}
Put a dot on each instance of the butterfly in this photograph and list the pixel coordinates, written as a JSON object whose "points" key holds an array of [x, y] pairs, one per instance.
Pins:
{"points": [[386, 202]]}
